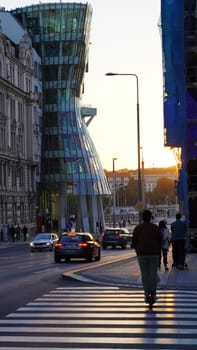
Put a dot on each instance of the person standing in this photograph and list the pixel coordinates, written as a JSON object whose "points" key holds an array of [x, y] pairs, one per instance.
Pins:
{"points": [[18, 232], [12, 233], [25, 232], [179, 230], [146, 241], [165, 243]]}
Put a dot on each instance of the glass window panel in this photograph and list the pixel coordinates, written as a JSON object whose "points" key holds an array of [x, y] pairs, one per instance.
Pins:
{"points": [[51, 96], [50, 73], [65, 69], [33, 22], [51, 21], [51, 49], [67, 48]]}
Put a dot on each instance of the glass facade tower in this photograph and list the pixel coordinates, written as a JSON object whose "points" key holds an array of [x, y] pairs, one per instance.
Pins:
{"points": [[70, 165]]}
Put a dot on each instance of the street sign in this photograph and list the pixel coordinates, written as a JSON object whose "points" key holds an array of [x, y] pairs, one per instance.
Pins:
{"points": [[139, 206]]}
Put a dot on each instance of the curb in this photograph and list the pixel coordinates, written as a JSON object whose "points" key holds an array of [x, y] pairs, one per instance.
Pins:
{"points": [[171, 279], [107, 282]]}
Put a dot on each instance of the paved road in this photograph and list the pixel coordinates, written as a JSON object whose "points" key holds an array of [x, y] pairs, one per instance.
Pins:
{"points": [[109, 313], [102, 317]]}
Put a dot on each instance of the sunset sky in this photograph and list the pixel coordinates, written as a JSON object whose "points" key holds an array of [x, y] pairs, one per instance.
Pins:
{"points": [[125, 38]]}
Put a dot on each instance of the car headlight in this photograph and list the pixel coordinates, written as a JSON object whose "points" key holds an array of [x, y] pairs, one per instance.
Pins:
{"points": [[48, 243], [31, 244]]}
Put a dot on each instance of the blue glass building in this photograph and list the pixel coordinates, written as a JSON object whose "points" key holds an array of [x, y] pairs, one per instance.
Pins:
{"points": [[70, 165], [179, 33]]}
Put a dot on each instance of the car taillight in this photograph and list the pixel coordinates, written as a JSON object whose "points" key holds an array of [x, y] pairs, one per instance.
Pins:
{"points": [[58, 245], [120, 235], [82, 244]]}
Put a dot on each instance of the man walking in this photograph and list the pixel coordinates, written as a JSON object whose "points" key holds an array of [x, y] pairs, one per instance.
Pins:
{"points": [[147, 239], [25, 232], [179, 230]]}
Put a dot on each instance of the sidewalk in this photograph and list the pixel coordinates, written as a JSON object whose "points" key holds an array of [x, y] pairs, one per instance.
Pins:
{"points": [[126, 273], [6, 244]]}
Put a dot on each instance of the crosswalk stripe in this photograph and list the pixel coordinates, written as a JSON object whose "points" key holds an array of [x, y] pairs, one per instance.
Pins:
{"points": [[96, 340], [99, 315], [94, 317], [159, 322], [134, 309], [91, 330]]}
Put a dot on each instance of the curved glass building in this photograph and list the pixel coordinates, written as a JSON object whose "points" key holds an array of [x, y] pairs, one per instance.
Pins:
{"points": [[70, 164]]}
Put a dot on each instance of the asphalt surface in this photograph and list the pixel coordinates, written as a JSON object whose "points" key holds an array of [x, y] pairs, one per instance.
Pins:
{"points": [[126, 273]]}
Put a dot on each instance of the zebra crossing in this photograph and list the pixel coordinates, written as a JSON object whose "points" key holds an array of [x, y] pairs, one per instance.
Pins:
{"points": [[101, 317]]}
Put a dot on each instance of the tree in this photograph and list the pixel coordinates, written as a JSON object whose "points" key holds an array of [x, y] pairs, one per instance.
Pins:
{"points": [[164, 192], [131, 192]]}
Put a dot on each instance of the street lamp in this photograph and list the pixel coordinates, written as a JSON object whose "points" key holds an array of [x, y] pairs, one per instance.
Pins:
{"points": [[114, 193], [139, 197], [143, 179]]}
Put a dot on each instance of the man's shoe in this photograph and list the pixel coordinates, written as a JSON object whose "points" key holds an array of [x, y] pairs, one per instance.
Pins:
{"points": [[150, 296], [180, 267], [146, 299]]}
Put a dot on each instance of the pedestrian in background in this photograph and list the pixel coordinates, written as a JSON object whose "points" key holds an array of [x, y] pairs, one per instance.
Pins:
{"points": [[146, 241], [18, 232], [165, 243], [25, 232], [13, 233], [179, 230]]}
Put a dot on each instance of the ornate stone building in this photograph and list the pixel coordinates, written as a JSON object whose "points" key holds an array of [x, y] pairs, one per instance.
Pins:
{"points": [[19, 127]]}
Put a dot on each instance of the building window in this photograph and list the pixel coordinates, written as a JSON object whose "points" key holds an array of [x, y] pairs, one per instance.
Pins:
{"points": [[21, 177], [22, 212], [12, 108], [4, 182], [13, 175], [20, 112], [2, 138], [13, 140], [2, 103], [0, 173]]}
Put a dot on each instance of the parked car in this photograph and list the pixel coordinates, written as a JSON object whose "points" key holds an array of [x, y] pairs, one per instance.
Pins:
{"points": [[44, 241], [77, 245], [116, 237]]}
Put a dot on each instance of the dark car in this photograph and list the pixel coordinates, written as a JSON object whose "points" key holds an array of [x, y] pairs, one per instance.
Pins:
{"points": [[77, 245], [116, 237], [44, 241]]}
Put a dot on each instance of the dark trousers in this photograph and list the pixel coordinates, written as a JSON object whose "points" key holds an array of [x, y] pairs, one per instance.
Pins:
{"points": [[148, 266], [178, 252], [165, 257]]}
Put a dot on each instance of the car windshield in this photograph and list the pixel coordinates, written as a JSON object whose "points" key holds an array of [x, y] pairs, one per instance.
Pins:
{"points": [[43, 236], [71, 239], [116, 232], [112, 232]]}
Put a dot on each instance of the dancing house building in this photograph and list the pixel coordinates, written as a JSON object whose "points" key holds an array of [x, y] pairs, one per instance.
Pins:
{"points": [[70, 166]]}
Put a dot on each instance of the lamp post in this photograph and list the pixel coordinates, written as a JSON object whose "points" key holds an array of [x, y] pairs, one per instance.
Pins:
{"points": [[139, 197], [114, 193], [143, 179]]}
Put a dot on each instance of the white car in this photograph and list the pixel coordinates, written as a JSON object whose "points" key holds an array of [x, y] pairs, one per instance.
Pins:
{"points": [[44, 241]]}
